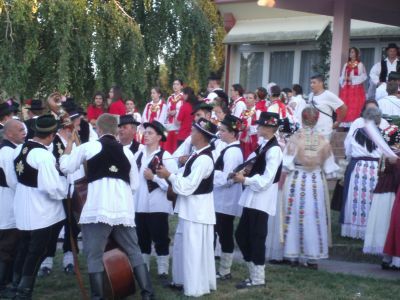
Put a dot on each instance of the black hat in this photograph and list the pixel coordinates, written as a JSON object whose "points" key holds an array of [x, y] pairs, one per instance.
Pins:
{"points": [[206, 127], [45, 124], [36, 104], [391, 46], [394, 76], [5, 109], [269, 119], [158, 127], [232, 122], [127, 119], [69, 104], [202, 105], [214, 77]]}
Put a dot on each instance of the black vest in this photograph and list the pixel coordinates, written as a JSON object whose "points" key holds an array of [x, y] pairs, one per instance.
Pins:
{"points": [[84, 132], [29, 125], [384, 70], [110, 162], [219, 164], [58, 150], [206, 185], [151, 186], [134, 146], [3, 181], [260, 163], [26, 174]]}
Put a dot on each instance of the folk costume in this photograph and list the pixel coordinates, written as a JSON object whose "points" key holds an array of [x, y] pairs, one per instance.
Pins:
{"points": [[258, 200], [226, 197], [308, 160], [193, 264], [134, 146], [262, 105], [174, 103], [352, 89], [109, 210], [380, 71], [238, 106], [9, 234], [248, 135], [151, 205], [36, 106], [155, 111], [38, 208]]}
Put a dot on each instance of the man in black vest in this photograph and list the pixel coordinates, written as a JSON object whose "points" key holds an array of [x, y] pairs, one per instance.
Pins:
{"points": [[259, 199], [14, 134], [127, 128], [109, 210], [35, 110], [380, 71]]}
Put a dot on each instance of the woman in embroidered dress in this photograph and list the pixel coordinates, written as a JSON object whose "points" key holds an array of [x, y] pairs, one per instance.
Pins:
{"points": [[248, 136], [156, 109], [220, 110], [262, 102], [361, 176], [384, 194], [308, 160], [174, 103], [351, 81]]}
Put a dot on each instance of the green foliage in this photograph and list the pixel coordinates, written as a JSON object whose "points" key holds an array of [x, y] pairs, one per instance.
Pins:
{"points": [[79, 46], [324, 44]]}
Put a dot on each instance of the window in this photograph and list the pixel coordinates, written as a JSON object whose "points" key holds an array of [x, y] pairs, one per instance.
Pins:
{"points": [[251, 70], [367, 56], [281, 68], [309, 58]]}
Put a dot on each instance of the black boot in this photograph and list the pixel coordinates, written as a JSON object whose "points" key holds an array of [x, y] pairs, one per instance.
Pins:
{"points": [[11, 291], [142, 277], [25, 288], [96, 285], [3, 275]]}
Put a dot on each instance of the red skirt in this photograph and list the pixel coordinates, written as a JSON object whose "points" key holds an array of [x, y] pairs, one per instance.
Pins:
{"points": [[392, 245], [354, 97], [171, 143], [249, 146]]}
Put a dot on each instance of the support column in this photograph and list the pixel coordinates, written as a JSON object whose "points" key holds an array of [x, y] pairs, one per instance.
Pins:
{"points": [[340, 41], [229, 22]]}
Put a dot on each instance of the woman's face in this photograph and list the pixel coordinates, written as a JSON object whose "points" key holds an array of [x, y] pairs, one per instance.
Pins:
{"points": [[130, 106], [98, 100], [155, 96], [111, 94], [224, 133], [353, 54], [177, 86], [250, 100], [219, 113]]}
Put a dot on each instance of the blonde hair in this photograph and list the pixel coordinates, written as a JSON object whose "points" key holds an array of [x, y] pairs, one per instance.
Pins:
{"points": [[107, 124]]}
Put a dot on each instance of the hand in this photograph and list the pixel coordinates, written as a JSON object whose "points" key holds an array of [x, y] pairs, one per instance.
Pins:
{"points": [[162, 172], [239, 177], [148, 174], [172, 113], [183, 159], [335, 125]]}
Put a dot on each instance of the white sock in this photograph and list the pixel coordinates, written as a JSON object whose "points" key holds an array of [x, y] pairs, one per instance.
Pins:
{"points": [[68, 259], [48, 263]]}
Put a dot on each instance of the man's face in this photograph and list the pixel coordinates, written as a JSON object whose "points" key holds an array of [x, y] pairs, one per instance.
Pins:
{"points": [[199, 114], [316, 85], [151, 137], [18, 133], [391, 53], [126, 132]]}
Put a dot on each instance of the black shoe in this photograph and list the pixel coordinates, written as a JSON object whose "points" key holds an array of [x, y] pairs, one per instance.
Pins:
{"points": [[11, 291], [25, 288], [69, 269], [96, 286], [142, 277], [175, 287], [224, 277], [44, 272]]}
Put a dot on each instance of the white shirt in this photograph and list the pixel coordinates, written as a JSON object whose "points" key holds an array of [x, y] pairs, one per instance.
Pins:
{"points": [[226, 192], [376, 70], [327, 102], [109, 200], [359, 123], [141, 147], [40, 207], [7, 218], [156, 201], [238, 107], [194, 208], [354, 79], [381, 92], [161, 114], [260, 191], [390, 105]]}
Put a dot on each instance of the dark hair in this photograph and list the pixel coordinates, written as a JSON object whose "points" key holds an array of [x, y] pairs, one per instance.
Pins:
{"points": [[262, 93], [357, 53], [222, 103], [370, 101], [275, 91], [101, 94], [192, 99], [130, 99], [180, 80], [297, 89], [392, 88], [238, 88], [318, 77], [286, 90], [117, 92], [43, 135]]}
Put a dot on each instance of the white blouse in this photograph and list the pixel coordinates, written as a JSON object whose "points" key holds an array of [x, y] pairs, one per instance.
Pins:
{"points": [[260, 191], [194, 208], [226, 192], [354, 79], [109, 200], [40, 207], [156, 201]]}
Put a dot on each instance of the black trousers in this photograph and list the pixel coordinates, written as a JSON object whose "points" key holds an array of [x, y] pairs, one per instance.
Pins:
{"points": [[33, 248], [224, 229], [8, 244], [251, 235], [153, 227], [67, 229]]}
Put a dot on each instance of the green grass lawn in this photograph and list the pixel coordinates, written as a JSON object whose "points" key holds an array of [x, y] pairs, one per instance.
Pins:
{"points": [[284, 282]]}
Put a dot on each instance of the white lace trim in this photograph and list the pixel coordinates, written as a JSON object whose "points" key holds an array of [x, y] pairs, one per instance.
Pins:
{"points": [[126, 221]]}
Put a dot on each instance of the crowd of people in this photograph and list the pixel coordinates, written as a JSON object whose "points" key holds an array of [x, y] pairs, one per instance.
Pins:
{"points": [[261, 156]]}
